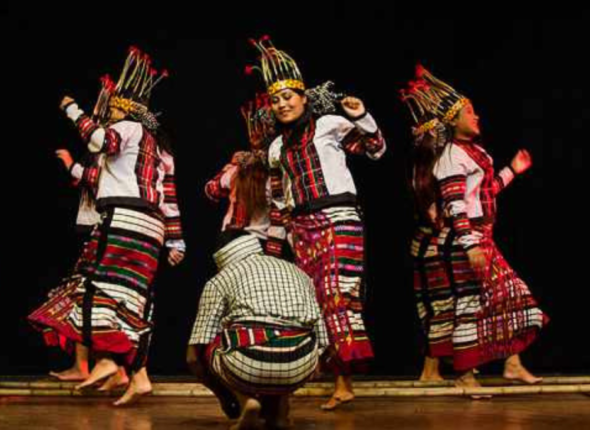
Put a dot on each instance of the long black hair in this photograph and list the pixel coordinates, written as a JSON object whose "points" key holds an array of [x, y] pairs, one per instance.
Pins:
{"points": [[428, 149], [163, 140]]}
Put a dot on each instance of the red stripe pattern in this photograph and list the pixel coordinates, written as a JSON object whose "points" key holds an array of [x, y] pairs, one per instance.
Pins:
{"points": [[301, 163], [114, 276], [112, 140], [173, 223], [146, 168], [213, 189], [329, 247], [489, 185], [452, 189], [90, 178], [473, 318], [358, 143]]}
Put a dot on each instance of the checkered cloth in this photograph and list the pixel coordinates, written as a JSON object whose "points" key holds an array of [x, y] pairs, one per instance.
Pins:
{"points": [[260, 318], [253, 287]]}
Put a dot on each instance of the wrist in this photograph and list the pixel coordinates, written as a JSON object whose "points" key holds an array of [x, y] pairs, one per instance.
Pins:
{"points": [[511, 167]]}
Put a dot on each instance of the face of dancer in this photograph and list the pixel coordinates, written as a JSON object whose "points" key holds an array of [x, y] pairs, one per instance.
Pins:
{"points": [[288, 105], [466, 123]]}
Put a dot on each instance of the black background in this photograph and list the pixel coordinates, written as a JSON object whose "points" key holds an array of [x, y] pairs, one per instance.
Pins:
{"points": [[528, 79]]}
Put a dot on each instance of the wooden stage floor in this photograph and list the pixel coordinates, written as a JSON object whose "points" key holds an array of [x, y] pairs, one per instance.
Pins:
{"points": [[518, 412]]}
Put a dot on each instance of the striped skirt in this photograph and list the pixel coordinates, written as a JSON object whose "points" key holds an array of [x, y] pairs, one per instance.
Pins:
{"points": [[329, 247], [472, 319], [264, 360], [107, 305]]}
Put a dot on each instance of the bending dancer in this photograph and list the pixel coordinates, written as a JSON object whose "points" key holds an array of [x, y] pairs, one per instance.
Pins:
{"points": [[258, 333]]}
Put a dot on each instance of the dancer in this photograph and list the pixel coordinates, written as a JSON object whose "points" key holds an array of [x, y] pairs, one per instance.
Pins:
{"points": [[84, 175], [473, 306], [317, 187], [245, 180], [258, 332], [111, 307]]}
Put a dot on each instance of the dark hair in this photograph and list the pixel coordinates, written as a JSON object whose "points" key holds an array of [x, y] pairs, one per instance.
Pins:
{"points": [[299, 91], [427, 151], [162, 137], [251, 181], [163, 140], [228, 236], [87, 193]]}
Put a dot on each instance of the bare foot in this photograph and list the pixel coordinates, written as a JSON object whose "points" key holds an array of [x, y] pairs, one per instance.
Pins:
{"points": [[250, 416], [469, 381], [134, 392], [119, 379], [431, 370], [519, 373], [337, 399], [72, 374], [431, 377], [103, 369]]}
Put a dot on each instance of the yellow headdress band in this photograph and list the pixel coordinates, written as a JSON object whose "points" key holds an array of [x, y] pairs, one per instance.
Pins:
{"points": [[425, 127], [126, 105], [292, 84], [428, 97]]}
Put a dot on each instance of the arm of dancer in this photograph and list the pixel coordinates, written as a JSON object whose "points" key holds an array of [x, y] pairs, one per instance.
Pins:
{"points": [[521, 162], [359, 133], [174, 240], [98, 139]]}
